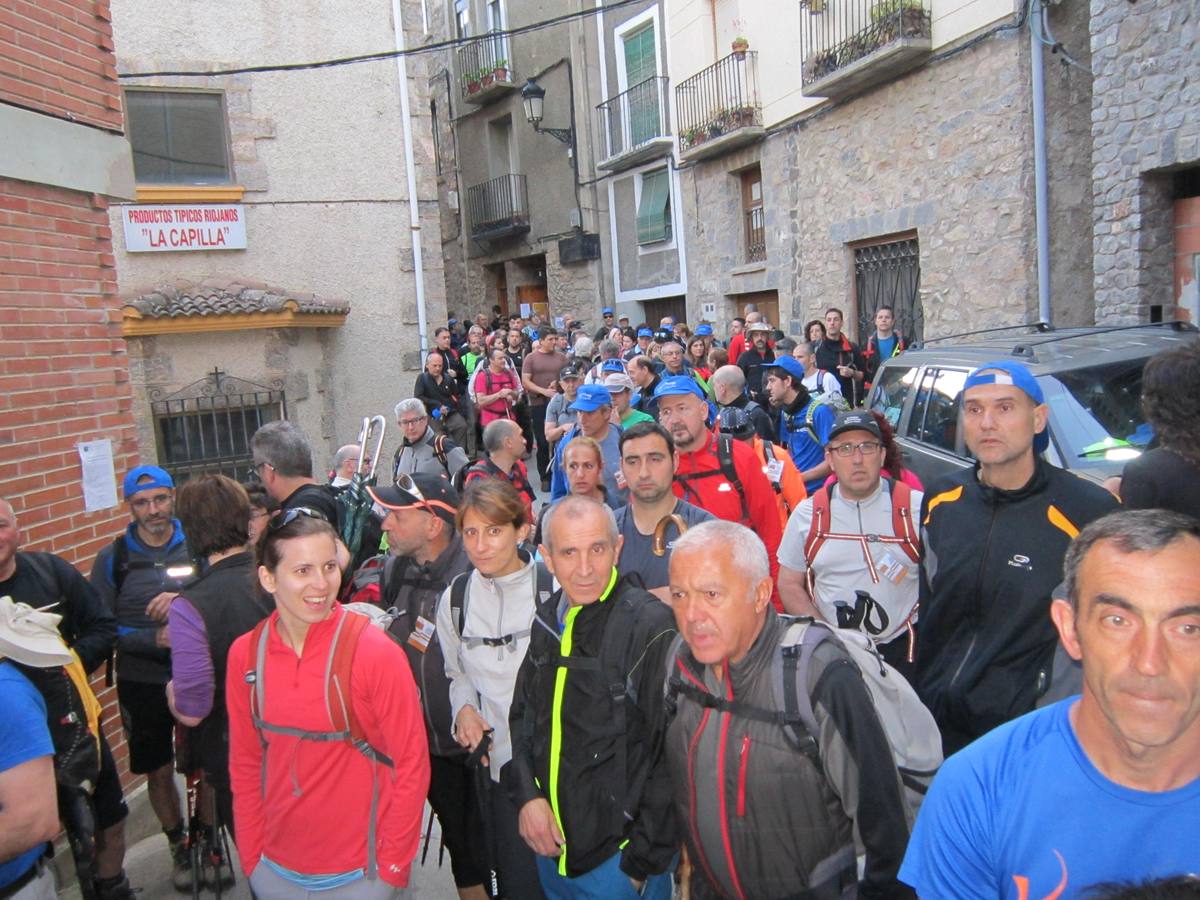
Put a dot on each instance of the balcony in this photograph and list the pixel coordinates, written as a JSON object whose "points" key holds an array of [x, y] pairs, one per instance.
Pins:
{"points": [[850, 45], [484, 72], [756, 235], [633, 126], [719, 109], [498, 209]]}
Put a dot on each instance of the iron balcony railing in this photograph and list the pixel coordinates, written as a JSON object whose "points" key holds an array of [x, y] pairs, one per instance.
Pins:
{"points": [[720, 99], [484, 62], [756, 235], [499, 205], [633, 117], [840, 32]]}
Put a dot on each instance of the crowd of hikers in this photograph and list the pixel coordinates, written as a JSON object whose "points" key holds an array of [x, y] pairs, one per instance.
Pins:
{"points": [[636, 613]]}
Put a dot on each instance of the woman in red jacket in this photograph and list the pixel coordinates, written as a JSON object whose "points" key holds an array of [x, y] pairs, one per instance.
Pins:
{"points": [[314, 813]]}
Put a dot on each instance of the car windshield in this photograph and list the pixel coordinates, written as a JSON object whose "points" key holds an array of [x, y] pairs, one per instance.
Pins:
{"points": [[1097, 411]]}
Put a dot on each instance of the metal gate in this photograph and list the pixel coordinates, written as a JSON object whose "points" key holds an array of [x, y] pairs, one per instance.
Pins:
{"points": [[889, 275], [206, 427]]}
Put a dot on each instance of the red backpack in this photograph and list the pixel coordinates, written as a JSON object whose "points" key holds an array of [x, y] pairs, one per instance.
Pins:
{"points": [[904, 532]]}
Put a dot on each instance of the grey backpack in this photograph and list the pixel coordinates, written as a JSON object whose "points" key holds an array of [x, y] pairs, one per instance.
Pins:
{"points": [[911, 730]]}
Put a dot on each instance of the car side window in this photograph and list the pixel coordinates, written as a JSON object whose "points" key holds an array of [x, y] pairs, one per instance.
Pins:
{"points": [[892, 388], [934, 419]]}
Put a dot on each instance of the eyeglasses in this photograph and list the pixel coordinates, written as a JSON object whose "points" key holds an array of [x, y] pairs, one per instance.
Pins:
{"points": [[288, 516], [404, 423], [866, 448]]}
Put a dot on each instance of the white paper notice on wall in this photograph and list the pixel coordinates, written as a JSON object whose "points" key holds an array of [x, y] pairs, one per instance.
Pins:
{"points": [[526, 310], [99, 476], [709, 310]]}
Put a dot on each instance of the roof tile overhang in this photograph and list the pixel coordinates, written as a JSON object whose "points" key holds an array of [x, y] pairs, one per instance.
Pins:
{"points": [[187, 307]]}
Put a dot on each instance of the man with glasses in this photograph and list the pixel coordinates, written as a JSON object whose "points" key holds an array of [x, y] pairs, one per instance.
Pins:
{"points": [[421, 450], [852, 548], [138, 576]]}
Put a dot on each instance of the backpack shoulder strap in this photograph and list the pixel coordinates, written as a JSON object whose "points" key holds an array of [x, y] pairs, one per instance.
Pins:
{"points": [[818, 528], [729, 470], [790, 679], [119, 561], [458, 600], [902, 519], [544, 582], [43, 568], [339, 671]]}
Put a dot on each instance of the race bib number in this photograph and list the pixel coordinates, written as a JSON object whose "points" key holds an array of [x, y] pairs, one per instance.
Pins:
{"points": [[422, 635], [892, 568]]}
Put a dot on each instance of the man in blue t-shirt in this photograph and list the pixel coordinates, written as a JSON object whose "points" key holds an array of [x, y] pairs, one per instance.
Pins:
{"points": [[804, 421], [1100, 788], [28, 803]]}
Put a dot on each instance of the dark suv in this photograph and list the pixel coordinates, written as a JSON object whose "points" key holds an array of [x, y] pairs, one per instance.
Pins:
{"points": [[1092, 379]]}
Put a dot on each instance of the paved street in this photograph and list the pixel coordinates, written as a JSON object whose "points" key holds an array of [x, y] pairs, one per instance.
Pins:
{"points": [[149, 869]]}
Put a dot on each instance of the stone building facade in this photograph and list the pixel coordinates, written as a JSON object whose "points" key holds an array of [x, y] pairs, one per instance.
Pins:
{"points": [[322, 186], [932, 166], [508, 193], [1146, 154]]}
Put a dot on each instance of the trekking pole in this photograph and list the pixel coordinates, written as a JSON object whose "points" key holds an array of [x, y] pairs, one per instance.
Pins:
{"points": [[428, 836]]}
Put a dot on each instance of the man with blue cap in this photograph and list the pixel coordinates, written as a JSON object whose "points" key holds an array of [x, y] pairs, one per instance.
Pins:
{"points": [[139, 575], [716, 472], [644, 335], [804, 422], [606, 329], [995, 537], [594, 404]]}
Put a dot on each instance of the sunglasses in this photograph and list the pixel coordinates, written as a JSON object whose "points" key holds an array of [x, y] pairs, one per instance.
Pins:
{"points": [[288, 516]]}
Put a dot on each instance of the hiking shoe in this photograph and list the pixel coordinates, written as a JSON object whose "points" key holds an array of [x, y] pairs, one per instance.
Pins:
{"points": [[117, 888], [216, 866], [181, 872]]}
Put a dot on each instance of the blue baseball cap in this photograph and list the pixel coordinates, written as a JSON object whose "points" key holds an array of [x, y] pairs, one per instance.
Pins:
{"points": [[1005, 371], [645, 332], [703, 330], [613, 365], [159, 478], [788, 364], [676, 385], [591, 397], [607, 311]]}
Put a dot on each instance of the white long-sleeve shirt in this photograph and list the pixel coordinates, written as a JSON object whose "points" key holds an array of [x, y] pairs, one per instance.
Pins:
{"points": [[481, 676]]}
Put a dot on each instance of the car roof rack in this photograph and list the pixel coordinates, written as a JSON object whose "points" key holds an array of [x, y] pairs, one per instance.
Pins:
{"points": [[1027, 350], [1042, 327]]}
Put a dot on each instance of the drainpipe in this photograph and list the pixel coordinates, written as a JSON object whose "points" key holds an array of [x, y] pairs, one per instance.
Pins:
{"points": [[1041, 185], [414, 211]]}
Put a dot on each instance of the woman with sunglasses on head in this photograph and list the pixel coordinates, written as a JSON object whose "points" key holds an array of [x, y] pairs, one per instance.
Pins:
{"points": [[484, 632], [315, 812]]}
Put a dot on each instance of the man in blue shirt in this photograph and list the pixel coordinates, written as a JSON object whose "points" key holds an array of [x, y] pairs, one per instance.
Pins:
{"points": [[804, 421], [28, 803], [1097, 788], [885, 343]]}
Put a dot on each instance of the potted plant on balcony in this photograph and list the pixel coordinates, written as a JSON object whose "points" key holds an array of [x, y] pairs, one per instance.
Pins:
{"points": [[500, 70], [474, 83], [899, 18], [486, 77], [741, 116], [692, 137], [740, 45]]}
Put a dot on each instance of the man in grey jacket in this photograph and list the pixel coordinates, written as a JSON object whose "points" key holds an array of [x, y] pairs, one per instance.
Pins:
{"points": [[764, 819], [421, 450]]}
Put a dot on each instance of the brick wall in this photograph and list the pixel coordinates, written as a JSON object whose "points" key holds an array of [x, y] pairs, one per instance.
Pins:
{"points": [[56, 56], [64, 377]]}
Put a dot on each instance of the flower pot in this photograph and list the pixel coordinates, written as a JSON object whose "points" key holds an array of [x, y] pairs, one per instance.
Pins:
{"points": [[739, 46], [487, 79], [473, 87], [501, 73]]}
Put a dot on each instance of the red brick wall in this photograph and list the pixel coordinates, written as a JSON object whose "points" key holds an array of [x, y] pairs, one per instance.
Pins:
{"points": [[56, 56], [64, 376]]}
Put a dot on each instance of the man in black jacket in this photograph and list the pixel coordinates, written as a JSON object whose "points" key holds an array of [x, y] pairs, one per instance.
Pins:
{"points": [[586, 719], [90, 629], [994, 539], [426, 553]]}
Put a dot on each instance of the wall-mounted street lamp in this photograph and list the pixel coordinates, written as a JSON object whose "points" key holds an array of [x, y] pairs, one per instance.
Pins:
{"points": [[533, 96]]}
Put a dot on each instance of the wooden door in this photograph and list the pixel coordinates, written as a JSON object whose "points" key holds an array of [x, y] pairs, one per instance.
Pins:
{"points": [[535, 296]]}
